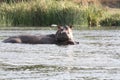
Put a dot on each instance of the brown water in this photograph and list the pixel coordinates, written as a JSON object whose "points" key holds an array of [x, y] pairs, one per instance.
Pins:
{"points": [[97, 57]]}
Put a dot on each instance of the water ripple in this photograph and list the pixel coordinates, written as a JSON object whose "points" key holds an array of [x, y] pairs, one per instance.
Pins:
{"points": [[97, 57]]}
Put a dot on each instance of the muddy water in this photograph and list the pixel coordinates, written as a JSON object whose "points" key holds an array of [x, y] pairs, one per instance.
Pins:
{"points": [[97, 57]]}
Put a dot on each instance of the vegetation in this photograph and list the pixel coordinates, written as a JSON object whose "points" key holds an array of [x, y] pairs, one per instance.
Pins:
{"points": [[41, 13], [94, 15], [112, 20], [47, 12]]}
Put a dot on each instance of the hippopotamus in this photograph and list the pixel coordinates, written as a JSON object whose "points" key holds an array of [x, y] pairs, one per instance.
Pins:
{"points": [[63, 36]]}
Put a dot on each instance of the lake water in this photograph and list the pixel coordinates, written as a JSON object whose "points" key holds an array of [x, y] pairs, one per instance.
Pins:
{"points": [[97, 57]]}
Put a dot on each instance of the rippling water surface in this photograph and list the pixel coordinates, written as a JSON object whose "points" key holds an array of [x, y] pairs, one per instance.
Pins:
{"points": [[97, 57]]}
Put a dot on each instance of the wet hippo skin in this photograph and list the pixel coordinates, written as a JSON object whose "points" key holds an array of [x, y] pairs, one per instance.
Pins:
{"points": [[63, 36]]}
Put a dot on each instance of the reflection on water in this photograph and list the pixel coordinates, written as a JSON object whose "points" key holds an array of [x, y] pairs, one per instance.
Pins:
{"points": [[97, 57]]}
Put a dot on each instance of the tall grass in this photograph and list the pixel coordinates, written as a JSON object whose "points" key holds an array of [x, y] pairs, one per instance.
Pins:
{"points": [[41, 13], [47, 12], [14, 1], [112, 20], [94, 15]]}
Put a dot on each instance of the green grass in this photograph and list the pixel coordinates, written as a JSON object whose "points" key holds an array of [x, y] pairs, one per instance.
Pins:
{"points": [[112, 20], [41, 13], [47, 12], [94, 15]]}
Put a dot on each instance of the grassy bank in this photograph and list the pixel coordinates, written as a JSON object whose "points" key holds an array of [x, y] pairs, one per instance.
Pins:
{"points": [[111, 20], [41, 13], [47, 12]]}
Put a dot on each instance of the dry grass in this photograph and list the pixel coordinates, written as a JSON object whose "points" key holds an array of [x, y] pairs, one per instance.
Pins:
{"points": [[113, 10]]}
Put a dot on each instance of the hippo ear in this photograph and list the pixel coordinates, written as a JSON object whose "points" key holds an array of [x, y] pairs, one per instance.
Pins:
{"points": [[59, 27], [71, 26]]}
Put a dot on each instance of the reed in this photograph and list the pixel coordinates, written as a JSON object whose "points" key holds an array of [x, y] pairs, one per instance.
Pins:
{"points": [[112, 20], [41, 13], [94, 15], [47, 12]]}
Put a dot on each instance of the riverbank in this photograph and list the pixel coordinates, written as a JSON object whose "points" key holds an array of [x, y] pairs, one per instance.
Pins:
{"points": [[41, 13], [113, 18], [45, 13]]}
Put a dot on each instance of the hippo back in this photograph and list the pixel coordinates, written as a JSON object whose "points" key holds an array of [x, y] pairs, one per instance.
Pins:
{"points": [[63, 36], [32, 39]]}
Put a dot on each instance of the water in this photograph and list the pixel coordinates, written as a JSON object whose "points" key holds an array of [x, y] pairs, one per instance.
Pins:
{"points": [[97, 57]]}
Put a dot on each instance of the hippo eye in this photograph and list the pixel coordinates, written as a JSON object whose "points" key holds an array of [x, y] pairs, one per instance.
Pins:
{"points": [[68, 32], [61, 29]]}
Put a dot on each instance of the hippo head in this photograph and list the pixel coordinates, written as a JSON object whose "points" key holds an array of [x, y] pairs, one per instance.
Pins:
{"points": [[64, 33]]}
